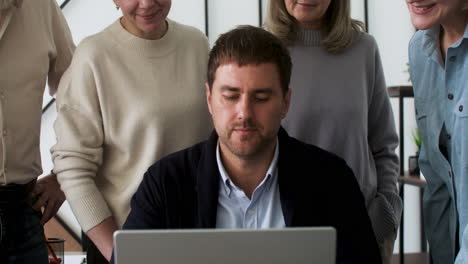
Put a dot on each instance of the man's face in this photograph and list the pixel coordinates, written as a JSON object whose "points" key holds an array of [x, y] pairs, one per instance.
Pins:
{"points": [[247, 106]]}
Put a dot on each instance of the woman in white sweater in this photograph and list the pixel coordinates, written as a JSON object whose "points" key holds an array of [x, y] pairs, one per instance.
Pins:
{"points": [[133, 94], [339, 100]]}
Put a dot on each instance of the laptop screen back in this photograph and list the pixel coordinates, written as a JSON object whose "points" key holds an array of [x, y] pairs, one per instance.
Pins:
{"points": [[214, 246]]}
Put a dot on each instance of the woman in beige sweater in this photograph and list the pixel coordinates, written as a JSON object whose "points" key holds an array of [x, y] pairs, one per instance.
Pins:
{"points": [[133, 94]]}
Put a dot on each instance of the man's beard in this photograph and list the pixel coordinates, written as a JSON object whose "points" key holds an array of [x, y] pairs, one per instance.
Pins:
{"points": [[5, 4]]}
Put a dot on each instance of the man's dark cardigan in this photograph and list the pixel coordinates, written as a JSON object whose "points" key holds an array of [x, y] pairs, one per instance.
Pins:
{"points": [[316, 189]]}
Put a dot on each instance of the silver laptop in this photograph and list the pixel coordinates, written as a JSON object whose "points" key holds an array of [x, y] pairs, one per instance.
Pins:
{"points": [[215, 246]]}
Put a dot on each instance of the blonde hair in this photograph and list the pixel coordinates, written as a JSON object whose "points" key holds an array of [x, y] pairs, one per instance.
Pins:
{"points": [[339, 30]]}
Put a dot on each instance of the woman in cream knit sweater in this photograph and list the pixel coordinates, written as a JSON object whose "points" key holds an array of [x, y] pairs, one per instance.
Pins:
{"points": [[133, 94]]}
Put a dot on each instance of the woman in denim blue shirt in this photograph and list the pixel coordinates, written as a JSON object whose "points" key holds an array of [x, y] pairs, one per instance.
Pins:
{"points": [[439, 72]]}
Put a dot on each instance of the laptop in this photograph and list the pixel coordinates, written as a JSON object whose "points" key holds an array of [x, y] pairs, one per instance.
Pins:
{"points": [[215, 246]]}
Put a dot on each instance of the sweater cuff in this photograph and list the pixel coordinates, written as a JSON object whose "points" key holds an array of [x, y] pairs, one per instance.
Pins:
{"points": [[90, 210], [395, 202], [384, 213]]}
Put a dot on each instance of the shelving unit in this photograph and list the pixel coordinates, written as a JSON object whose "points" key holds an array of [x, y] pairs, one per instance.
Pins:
{"points": [[402, 92]]}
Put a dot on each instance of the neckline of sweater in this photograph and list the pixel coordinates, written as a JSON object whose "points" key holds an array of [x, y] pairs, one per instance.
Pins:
{"points": [[309, 37], [145, 47]]}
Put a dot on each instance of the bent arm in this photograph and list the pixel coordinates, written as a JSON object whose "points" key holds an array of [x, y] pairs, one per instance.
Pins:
{"points": [[385, 209], [64, 47], [51, 197], [77, 157], [78, 153]]}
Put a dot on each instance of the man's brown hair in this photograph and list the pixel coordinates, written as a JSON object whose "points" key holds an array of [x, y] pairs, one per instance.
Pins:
{"points": [[247, 45]]}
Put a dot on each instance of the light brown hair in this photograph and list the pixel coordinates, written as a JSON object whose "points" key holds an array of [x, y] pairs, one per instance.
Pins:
{"points": [[247, 45], [339, 30]]}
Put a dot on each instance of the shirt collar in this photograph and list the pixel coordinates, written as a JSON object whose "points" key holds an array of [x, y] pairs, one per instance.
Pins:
{"points": [[430, 44], [228, 185], [430, 41]]}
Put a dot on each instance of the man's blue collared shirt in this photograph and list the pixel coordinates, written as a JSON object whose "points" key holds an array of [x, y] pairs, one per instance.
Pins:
{"points": [[441, 99], [236, 210]]}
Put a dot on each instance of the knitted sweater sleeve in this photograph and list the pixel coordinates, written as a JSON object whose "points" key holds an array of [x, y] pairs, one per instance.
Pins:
{"points": [[63, 43], [385, 209], [78, 152]]}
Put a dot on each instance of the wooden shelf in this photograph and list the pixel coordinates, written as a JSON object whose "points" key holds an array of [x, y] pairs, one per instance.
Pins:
{"points": [[400, 91], [413, 258], [412, 180]]}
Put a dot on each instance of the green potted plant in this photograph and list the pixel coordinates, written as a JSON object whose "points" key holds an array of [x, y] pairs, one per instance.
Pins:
{"points": [[413, 165]]}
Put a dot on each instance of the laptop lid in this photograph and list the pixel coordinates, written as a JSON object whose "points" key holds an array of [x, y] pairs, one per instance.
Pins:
{"points": [[214, 246]]}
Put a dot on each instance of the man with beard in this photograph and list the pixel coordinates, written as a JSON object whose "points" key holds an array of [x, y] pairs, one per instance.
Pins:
{"points": [[250, 173], [35, 46]]}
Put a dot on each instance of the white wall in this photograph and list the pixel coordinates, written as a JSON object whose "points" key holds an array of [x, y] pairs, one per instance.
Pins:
{"points": [[224, 15], [388, 22], [191, 12]]}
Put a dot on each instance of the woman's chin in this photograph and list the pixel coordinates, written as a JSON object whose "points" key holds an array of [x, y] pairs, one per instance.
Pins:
{"points": [[422, 23]]}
